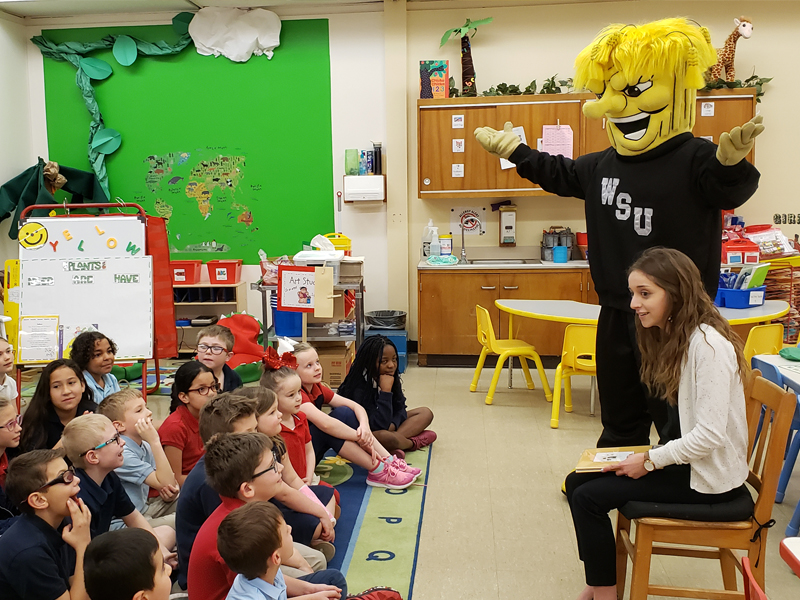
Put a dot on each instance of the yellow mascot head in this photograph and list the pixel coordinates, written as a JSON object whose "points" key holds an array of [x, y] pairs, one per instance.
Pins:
{"points": [[646, 79]]}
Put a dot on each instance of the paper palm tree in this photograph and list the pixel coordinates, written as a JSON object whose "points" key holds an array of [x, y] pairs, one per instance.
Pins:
{"points": [[467, 66]]}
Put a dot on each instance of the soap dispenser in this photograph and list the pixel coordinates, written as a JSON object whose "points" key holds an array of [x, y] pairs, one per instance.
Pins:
{"points": [[508, 225]]}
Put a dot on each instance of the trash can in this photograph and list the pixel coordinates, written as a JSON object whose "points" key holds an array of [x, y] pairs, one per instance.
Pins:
{"points": [[386, 319]]}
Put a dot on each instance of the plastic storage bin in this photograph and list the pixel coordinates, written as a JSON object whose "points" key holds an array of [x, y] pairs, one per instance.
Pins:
{"points": [[224, 271], [400, 340], [386, 319], [321, 258], [740, 298], [185, 272], [286, 323]]}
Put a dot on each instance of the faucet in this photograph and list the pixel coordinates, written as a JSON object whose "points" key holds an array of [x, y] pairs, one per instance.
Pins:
{"points": [[467, 220]]}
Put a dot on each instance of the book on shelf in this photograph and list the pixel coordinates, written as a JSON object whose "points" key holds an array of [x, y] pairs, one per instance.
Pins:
{"points": [[594, 460]]}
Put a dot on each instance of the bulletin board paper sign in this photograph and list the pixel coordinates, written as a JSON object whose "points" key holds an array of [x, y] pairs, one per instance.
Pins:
{"points": [[296, 288], [37, 341], [114, 295], [103, 236], [520, 131], [323, 292], [557, 139]]}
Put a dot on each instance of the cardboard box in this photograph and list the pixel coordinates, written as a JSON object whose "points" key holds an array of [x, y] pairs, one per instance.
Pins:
{"points": [[336, 361]]}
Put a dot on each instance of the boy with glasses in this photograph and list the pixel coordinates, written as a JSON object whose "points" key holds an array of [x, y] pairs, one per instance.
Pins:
{"points": [[95, 448], [34, 558], [242, 468], [214, 350]]}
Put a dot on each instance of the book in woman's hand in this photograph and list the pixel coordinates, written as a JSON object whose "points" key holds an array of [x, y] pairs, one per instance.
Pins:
{"points": [[594, 460]]}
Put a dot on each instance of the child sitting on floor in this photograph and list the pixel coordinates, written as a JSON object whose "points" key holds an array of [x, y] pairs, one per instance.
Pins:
{"points": [[342, 430], [194, 385], [126, 565], [60, 396], [8, 385], [214, 348], [144, 464], [94, 354], [374, 383], [10, 430]]}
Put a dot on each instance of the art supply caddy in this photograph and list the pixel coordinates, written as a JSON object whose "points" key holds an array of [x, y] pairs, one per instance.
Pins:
{"points": [[557, 236]]}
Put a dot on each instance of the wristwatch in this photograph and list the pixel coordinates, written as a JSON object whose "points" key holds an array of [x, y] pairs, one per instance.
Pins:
{"points": [[648, 464]]}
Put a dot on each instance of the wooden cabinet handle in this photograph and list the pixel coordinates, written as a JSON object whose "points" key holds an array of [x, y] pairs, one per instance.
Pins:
{"points": [[510, 287], [487, 287]]}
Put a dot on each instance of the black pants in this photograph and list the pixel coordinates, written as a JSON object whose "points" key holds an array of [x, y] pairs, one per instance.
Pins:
{"points": [[627, 410], [592, 496]]}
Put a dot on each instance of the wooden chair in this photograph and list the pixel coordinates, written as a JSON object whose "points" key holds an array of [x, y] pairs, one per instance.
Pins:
{"points": [[763, 339], [751, 589], [717, 538], [577, 358], [507, 349]]}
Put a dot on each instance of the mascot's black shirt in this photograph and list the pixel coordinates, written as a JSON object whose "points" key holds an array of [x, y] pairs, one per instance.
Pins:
{"points": [[670, 196]]}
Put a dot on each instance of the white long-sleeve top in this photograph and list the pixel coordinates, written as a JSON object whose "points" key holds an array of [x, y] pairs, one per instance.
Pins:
{"points": [[713, 418]]}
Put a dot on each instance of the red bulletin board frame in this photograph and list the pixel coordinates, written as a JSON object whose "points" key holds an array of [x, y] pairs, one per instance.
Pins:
{"points": [[283, 270]]}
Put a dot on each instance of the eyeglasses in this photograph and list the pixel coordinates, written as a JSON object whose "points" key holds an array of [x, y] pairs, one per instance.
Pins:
{"points": [[113, 440], [272, 467], [12, 423], [213, 349], [204, 390], [63, 477]]}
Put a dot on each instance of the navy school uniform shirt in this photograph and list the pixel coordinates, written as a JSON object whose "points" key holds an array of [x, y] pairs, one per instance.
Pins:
{"points": [[232, 379], [195, 503], [105, 501], [53, 426], [35, 562]]}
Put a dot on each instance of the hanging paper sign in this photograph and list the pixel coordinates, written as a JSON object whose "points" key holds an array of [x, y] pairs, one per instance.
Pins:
{"points": [[106, 141], [125, 50], [95, 68], [295, 288], [38, 339]]}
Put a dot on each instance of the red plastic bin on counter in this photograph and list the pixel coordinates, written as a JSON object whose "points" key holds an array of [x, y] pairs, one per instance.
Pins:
{"points": [[740, 252], [185, 272], [224, 271]]}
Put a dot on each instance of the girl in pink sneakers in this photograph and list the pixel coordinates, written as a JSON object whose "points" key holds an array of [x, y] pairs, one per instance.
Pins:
{"points": [[374, 383], [340, 430]]}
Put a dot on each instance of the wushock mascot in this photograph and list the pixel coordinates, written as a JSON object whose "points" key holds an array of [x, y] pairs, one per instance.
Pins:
{"points": [[657, 185]]}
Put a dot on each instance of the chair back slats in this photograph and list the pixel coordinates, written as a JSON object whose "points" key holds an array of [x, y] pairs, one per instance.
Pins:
{"points": [[767, 452]]}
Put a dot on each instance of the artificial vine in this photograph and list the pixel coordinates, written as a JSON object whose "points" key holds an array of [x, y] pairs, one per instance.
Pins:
{"points": [[550, 86], [754, 81]]}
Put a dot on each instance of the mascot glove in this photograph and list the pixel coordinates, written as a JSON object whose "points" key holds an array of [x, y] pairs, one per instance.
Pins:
{"points": [[737, 144], [500, 143]]}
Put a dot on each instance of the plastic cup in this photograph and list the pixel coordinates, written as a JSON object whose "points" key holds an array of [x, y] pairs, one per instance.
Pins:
{"points": [[560, 254]]}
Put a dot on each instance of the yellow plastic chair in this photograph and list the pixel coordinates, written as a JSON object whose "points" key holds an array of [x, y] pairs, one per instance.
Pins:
{"points": [[763, 339], [577, 358], [506, 349]]}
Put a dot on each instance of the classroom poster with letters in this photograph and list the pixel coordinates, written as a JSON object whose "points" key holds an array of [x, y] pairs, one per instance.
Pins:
{"points": [[296, 288]]}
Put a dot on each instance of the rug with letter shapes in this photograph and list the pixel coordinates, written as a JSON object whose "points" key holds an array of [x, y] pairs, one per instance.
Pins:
{"points": [[377, 534]]}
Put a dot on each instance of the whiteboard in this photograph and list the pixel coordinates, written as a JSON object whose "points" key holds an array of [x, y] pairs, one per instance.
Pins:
{"points": [[112, 295], [101, 236]]}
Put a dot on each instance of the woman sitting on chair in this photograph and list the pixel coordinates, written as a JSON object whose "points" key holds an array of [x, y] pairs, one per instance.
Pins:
{"points": [[692, 358]]}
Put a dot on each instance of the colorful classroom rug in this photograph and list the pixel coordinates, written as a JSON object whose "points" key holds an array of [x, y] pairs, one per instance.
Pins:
{"points": [[377, 534]]}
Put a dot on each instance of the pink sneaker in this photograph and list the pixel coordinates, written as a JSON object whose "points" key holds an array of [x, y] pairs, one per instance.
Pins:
{"points": [[399, 453], [404, 466], [426, 438], [377, 593], [390, 477]]}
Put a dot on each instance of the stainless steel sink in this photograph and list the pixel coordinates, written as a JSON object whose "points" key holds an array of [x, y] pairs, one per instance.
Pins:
{"points": [[504, 261]]}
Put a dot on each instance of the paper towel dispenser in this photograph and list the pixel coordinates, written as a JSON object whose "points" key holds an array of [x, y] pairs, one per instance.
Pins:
{"points": [[361, 188]]}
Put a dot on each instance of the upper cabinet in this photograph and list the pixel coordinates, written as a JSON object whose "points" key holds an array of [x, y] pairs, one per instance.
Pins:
{"points": [[451, 163]]}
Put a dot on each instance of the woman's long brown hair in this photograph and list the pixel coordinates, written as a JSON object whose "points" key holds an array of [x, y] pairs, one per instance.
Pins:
{"points": [[664, 350]]}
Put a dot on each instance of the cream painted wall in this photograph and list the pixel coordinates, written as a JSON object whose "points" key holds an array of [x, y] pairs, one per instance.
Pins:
{"points": [[16, 153], [538, 41]]}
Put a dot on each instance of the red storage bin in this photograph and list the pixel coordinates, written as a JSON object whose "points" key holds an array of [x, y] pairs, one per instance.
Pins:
{"points": [[185, 272], [740, 252], [224, 271]]}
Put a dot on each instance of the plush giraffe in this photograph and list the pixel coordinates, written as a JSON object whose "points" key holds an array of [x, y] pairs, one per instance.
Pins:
{"points": [[726, 54]]}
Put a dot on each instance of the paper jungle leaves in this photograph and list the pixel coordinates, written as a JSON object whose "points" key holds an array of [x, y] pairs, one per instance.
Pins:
{"points": [[106, 141], [95, 68], [125, 50], [180, 22]]}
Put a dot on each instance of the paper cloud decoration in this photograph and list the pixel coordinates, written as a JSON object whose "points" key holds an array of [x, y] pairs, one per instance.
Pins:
{"points": [[235, 33]]}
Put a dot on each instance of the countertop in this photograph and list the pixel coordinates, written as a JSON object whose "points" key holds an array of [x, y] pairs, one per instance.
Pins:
{"points": [[545, 264]]}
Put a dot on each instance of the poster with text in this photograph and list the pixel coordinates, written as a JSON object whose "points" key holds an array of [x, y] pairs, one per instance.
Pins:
{"points": [[295, 288]]}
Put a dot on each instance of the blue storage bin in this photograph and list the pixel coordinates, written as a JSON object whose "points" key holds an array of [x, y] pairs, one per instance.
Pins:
{"points": [[740, 298], [286, 323], [402, 362], [400, 340]]}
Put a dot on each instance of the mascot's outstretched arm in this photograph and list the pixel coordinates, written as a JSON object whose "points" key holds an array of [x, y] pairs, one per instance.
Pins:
{"points": [[500, 143], [734, 146]]}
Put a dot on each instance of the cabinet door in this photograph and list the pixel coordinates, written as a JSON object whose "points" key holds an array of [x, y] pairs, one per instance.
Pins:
{"points": [[591, 293], [728, 111], [532, 116], [436, 156], [595, 136], [447, 321], [546, 336]]}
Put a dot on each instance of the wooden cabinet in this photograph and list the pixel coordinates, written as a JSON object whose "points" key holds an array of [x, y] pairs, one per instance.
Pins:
{"points": [[447, 299], [204, 299], [482, 175]]}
